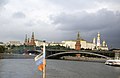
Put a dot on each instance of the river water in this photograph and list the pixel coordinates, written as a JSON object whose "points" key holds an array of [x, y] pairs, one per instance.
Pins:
{"points": [[26, 68]]}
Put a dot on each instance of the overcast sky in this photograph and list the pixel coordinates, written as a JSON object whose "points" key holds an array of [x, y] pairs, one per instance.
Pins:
{"points": [[57, 20]]}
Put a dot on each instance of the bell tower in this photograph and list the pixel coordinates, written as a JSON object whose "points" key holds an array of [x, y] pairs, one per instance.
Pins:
{"points": [[78, 44], [98, 39]]}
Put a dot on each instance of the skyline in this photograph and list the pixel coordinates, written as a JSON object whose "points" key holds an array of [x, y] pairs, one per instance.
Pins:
{"points": [[57, 20]]}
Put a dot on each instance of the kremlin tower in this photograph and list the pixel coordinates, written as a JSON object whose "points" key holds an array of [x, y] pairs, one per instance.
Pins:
{"points": [[78, 44], [32, 40]]}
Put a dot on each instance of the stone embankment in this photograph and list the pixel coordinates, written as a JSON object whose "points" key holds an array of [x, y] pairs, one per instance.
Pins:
{"points": [[15, 56], [87, 59]]}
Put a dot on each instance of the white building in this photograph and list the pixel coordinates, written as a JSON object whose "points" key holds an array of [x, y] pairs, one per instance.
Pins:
{"points": [[100, 46], [40, 43], [16, 43], [95, 45], [69, 44], [55, 43], [84, 44]]}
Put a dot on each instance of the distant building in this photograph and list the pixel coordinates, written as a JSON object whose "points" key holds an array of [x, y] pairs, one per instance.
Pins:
{"points": [[30, 42], [100, 46], [69, 44], [83, 44], [55, 43], [16, 43], [40, 43], [77, 44]]}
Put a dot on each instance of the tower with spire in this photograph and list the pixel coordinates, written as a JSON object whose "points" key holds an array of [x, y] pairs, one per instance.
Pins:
{"points": [[32, 40], [98, 39], [78, 44], [26, 42]]}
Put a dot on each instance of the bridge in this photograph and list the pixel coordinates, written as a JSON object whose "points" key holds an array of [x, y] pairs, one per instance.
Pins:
{"points": [[57, 54], [73, 53]]}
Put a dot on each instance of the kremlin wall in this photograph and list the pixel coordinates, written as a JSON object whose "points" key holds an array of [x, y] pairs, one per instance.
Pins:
{"points": [[77, 44]]}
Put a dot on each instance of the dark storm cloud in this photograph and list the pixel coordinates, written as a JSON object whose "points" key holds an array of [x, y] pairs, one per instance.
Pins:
{"points": [[18, 15], [84, 21], [104, 21]]}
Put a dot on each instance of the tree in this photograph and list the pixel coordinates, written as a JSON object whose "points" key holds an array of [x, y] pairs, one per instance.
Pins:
{"points": [[58, 47], [2, 49]]}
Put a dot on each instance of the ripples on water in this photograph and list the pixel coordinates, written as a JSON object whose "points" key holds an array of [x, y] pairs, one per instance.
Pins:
{"points": [[26, 68]]}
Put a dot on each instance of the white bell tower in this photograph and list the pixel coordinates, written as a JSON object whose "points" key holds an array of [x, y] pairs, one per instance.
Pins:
{"points": [[98, 39]]}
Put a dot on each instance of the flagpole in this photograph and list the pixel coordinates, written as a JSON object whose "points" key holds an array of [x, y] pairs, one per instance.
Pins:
{"points": [[44, 72], [44, 61]]}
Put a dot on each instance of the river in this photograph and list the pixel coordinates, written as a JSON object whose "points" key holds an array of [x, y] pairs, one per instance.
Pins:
{"points": [[26, 68]]}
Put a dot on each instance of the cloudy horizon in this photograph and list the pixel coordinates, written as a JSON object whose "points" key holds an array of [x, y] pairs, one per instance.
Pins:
{"points": [[57, 20]]}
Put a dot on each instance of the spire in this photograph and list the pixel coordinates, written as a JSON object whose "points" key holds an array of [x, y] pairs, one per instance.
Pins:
{"points": [[32, 35], [25, 40], [78, 36]]}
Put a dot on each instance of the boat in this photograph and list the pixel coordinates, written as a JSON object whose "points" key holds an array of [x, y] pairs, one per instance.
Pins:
{"points": [[115, 62]]}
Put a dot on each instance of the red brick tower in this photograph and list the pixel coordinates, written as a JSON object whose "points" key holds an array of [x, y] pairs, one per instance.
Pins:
{"points": [[78, 44], [32, 40]]}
